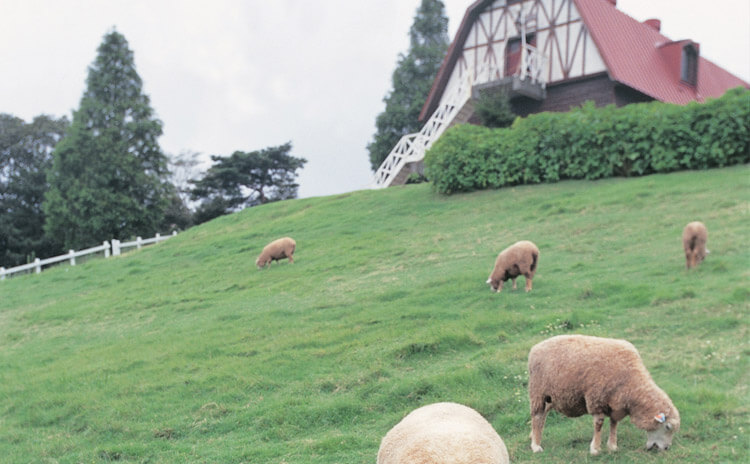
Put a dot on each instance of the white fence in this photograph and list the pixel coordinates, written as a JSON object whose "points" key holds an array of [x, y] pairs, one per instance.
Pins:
{"points": [[114, 249]]}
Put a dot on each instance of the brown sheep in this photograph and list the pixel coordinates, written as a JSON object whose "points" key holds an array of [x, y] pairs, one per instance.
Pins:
{"points": [[604, 377], [443, 433], [521, 258], [276, 250], [694, 237]]}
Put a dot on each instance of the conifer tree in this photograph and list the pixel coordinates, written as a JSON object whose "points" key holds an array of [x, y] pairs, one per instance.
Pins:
{"points": [[109, 175], [411, 80], [246, 179]]}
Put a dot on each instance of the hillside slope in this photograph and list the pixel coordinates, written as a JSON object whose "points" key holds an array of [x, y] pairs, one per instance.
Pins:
{"points": [[184, 352]]}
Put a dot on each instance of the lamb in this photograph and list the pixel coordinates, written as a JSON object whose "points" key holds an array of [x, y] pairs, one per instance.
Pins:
{"points": [[694, 237], [276, 250], [521, 258], [604, 377], [443, 433]]}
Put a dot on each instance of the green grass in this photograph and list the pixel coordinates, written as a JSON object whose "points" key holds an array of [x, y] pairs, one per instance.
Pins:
{"points": [[184, 352]]}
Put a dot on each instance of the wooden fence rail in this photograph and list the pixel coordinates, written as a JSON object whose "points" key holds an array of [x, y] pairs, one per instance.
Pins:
{"points": [[115, 249]]}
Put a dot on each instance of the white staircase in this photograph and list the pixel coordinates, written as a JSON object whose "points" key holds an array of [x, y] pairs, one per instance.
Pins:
{"points": [[456, 107]]}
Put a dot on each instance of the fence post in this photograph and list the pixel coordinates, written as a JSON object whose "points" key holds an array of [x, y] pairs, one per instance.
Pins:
{"points": [[38, 265], [174, 233], [2, 273], [115, 247], [105, 244], [72, 257], [138, 242], [157, 238]]}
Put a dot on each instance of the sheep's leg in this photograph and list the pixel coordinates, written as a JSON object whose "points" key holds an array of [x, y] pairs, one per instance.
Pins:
{"points": [[692, 259], [291, 260], [538, 417], [528, 283], [514, 282], [596, 442], [612, 440]]}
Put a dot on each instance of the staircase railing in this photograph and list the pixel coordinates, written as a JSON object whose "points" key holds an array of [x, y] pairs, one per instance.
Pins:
{"points": [[535, 65], [412, 147]]}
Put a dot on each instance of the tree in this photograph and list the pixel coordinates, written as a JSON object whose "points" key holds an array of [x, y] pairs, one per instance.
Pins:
{"points": [[493, 108], [183, 168], [246, 179], [411, 80], [25, 158], [109, 175]]}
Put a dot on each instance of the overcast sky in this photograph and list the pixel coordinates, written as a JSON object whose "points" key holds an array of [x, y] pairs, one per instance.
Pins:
{"points": [[227, 75]]}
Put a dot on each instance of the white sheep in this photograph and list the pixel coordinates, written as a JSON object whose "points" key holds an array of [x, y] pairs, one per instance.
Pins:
{"points": [[521, 258], [604, 377], [443, 433], [694, 237], [276, 250]]}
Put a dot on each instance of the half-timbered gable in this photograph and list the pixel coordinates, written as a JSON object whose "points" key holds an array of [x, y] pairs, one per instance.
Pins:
{"points": [[551, 55]]}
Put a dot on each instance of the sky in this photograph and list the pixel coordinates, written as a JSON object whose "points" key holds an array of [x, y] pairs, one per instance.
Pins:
{"points": [[228, 75]]}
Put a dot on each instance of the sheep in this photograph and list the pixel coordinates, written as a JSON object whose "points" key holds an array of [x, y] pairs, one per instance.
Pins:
{"points": [[521, 258], [443, 433], [604, 377], [276, 250], [694, 237]]}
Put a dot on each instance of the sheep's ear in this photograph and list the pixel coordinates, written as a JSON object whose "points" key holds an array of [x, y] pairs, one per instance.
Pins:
{"points": [[489, 280], [660, 418]]}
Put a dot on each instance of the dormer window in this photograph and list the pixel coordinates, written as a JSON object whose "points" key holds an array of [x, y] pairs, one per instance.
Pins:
{"points": [[689, 66]]}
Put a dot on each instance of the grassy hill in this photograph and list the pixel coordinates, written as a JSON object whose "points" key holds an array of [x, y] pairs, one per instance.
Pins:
{"points": [[184, 352]]}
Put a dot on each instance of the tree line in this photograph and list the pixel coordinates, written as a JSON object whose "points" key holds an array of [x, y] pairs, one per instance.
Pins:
{"points": [[69, 184], [72, 184]]}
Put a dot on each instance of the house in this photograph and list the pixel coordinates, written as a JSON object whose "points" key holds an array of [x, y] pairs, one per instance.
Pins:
{"points": [[551, 55]]}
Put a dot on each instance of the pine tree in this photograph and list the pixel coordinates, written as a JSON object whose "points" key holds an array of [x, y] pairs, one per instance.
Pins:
{"points": [[411, 80], [109, 175], [246, 179]]}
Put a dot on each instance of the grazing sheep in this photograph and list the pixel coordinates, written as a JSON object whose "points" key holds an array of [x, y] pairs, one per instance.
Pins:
{"points": [[604, 377], [276, 250], [521, 258], [443, 433], [694, 237]]}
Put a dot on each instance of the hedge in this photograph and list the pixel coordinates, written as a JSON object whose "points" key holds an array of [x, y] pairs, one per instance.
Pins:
{"points": [[593, 143]]}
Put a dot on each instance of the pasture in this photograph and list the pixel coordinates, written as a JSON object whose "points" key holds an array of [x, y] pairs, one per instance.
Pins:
{"points": [[185, 352]]}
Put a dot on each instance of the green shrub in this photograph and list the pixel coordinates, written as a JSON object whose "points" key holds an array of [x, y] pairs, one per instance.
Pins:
{"points": [[594, 143], [493, 108]]}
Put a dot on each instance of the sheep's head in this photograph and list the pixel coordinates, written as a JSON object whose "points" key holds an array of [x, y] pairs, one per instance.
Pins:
{"points": [[660, 438], [260, 263], [494, 286]]}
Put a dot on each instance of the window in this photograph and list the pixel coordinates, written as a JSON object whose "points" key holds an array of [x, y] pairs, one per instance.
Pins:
{"points": [[689, 65]]}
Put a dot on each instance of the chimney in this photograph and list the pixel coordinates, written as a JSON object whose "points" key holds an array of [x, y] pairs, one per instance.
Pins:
{"points": [[654, 23], [613, 2]]}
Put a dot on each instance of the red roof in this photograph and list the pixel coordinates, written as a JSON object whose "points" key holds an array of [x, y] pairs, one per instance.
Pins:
{"points": [[636, 54], [639, 56]]}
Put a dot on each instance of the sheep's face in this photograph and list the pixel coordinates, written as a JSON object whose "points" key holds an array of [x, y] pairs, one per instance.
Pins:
{"points": [[661, 437]]}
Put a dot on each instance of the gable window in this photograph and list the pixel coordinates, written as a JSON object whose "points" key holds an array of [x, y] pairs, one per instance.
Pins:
{"points": [[689, 65]]}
